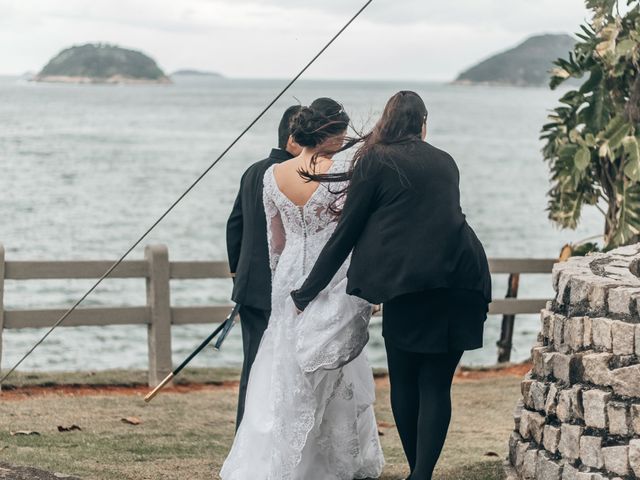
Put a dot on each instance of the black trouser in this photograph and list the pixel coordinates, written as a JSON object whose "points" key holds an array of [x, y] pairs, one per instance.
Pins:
{"points": [[421, 403], [253, 322]]}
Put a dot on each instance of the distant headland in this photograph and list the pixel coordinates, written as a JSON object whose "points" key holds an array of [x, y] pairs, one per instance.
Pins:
{"points": [[528, 64], [101, 63], [187, 72]]}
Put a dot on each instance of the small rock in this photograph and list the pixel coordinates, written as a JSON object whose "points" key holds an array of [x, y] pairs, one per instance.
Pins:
{"points": [[521, 451], [525, 387], [634, 456], [577, 409], [525, 425], [569, 472], [552, 400], [591, 451], [625, 381], [580, 288], [517, 414], [618, 415], [623, 335], [635, 418], [538, 394], [616, 459], [547, 363], [536, 426], [558, 334], [563, 290], [551, 438], [537, 356], [595, 408], [599, 293], [529, 464], [589, 476], [563, 408], [574, 333], [621, 299], [547, 469], [514, 441], [546, 318], [587, 338], [567, 368], [595, 368], [626, 251], [601, 332], [569, 445]]}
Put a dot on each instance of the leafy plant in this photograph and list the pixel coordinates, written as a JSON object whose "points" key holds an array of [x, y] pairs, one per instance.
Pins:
{"points": [[593, 138]]}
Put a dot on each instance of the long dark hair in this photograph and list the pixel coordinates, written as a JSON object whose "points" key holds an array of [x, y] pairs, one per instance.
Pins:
{"points": [[323, 119], [401, 122]]}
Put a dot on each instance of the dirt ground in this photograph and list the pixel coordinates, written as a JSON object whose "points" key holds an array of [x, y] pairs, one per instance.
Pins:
{"points": [[186, 431], [11, 472]]}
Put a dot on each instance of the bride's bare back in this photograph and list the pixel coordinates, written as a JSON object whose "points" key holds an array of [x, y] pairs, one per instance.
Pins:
{"points": [[292, 185]]}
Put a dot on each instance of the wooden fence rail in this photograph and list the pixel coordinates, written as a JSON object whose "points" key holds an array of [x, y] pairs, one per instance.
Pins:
{"points": [[159, 315]]}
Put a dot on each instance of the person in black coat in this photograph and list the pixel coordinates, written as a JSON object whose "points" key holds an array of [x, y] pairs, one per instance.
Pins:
{"points": [[249, 254], [412, 250]]}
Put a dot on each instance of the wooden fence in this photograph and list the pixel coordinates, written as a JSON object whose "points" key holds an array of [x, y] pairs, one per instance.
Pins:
{"points": [[158, 313]]}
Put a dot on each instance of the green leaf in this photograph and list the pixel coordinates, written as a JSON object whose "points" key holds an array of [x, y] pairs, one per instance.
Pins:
{"points": [[594, 80], [616, 130], [625, 48], [567, 152], [605, 151], [589, 144], [582, 159], [632, 163], [627, 225]]}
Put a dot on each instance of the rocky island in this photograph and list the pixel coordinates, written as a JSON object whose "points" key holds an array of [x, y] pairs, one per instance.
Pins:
{"points": [[528, 64], [101, 63], [196, 73]]}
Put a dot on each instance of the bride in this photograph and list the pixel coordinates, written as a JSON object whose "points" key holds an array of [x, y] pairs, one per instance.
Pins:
{"points": [[309, 408]]}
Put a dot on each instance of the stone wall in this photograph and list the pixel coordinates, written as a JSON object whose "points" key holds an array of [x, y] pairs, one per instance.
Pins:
{"points": [[579, 417]]}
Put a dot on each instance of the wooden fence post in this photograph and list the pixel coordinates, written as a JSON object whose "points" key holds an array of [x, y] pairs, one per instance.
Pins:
{"points": [[1, 303], [159, 303], [505, 344]]}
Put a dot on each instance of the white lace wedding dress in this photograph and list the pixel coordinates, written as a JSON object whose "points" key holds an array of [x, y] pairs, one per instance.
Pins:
{"points": [[309, 407]]}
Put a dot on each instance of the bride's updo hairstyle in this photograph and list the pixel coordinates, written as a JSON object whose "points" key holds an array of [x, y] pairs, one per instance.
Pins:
{"points": [[315, 124], [401, 122]]}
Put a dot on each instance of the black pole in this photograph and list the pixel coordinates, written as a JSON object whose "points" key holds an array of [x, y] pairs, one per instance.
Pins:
{"points": [[505, 344], [226, 326]]}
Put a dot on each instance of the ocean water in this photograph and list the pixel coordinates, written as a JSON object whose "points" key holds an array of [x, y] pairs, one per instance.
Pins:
{"points": [[85, 169]]}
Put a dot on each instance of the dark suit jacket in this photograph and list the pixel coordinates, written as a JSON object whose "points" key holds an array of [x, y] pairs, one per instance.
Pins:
{"points": [[403, 221], [247, 247]]}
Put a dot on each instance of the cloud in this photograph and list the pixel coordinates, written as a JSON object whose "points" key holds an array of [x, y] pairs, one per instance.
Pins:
{"points": [[504, 14], [408, 39]]}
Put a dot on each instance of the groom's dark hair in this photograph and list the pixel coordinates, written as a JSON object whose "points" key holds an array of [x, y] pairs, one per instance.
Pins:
{"points": [[284, 129]]}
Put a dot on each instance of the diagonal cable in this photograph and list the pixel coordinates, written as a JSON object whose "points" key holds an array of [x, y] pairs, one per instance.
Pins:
{"points": [[185, 193]]}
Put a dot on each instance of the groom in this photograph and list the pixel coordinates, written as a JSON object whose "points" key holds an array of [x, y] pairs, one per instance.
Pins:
{"points": [[248, 251]]}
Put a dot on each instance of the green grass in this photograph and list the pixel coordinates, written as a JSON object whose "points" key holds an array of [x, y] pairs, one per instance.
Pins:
{"points": [[187, 435], [207, 376]]}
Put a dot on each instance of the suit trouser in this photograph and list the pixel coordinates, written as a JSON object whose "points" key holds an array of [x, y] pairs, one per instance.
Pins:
{"points": [[421, 403], [253, 322]]}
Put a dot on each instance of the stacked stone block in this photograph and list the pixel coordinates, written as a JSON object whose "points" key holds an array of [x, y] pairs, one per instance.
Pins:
{"points": [[579, 416]]}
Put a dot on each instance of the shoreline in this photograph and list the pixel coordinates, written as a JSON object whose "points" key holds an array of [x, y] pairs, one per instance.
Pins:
{"points": [[113, 80], [26, 385]]}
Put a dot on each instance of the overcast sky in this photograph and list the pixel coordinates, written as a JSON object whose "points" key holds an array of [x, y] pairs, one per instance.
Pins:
{"points": [[394, 39]]}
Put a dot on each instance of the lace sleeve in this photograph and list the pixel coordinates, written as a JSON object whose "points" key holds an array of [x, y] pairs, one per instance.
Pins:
{"points": [[276, 236]]}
